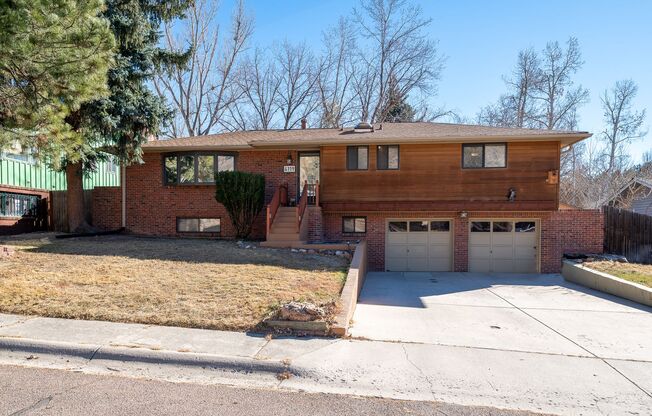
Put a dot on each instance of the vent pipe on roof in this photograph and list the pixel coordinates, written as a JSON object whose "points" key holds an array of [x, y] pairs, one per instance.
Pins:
{"points": [[304, 123]]}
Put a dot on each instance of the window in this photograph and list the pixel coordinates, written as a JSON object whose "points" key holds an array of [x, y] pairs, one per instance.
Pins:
{"points": [[170, 169], [225, 163], [110, 166], [198, 225], [18, 205], [205, 168], [443, 226], [484, 156], [397, 226], [480, 226], [195, 168], [387, 157], [417, 226], [354, 224], [525, 227], [357, 157], [186, 169], [503, 226]]}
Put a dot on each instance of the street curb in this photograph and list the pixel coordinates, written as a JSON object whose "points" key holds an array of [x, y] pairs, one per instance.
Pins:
{"points": [[140, 355]]}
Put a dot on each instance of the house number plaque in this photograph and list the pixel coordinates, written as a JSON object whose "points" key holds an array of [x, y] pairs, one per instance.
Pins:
{"points": [[289, 169]]}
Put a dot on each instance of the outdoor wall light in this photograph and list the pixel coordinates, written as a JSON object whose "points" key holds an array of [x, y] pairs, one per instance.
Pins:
{"points": [[464, 214], [511, 194], [289, 159]]}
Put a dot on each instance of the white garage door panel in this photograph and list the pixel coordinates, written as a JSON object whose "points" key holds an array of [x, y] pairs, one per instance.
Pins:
{"points": [[417, 250], [418, 245], [507, 246], [479, 251], [396, 250], [397, 238]]}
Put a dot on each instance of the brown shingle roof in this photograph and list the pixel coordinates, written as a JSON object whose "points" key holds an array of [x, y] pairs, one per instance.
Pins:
{"points": [[389, 133]]}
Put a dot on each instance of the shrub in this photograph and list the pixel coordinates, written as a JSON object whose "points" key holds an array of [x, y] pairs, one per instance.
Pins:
{"points": [[243, 196]]}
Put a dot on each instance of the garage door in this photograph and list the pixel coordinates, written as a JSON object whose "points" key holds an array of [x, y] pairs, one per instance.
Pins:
{"points": [[503, 246], [419, 245]]}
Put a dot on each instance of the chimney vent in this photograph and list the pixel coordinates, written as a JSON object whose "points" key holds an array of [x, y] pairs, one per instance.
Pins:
{"points": [[304, 123]]}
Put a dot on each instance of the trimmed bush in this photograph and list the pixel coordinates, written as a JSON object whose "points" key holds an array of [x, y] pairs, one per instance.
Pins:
{"points": [[243, 196]]}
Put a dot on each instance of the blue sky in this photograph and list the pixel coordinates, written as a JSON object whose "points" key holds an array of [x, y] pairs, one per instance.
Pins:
{"points": [[482, 38]]}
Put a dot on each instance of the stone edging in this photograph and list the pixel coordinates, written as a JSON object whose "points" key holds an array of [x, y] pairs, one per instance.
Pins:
{"points": [[580, 274], [348, 301], [351, 290]]}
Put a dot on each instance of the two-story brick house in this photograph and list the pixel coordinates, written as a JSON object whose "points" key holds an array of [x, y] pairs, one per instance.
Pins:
{"points": [[425, 196]]}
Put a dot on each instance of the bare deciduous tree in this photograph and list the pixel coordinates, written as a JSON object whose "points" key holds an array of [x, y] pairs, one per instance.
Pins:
{"points": [[298, 74], [517, 108], [558, 96], [335, 83], [203, 92], [623, 123], [260, 82], [397, 49]]}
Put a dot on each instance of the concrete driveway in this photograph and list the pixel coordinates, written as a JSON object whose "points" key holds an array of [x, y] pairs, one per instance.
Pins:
{"points": [[524, 313]]}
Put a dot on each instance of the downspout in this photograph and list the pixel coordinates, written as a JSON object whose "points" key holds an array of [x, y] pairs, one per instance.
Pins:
{"points": [[123, 188]]}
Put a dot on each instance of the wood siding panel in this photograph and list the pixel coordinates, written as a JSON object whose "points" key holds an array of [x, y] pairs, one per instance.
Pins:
{"points": [[433, 172]]}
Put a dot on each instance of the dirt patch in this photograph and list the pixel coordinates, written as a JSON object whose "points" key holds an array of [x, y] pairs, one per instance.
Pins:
{"points": [[634, 272], [183, 282]]}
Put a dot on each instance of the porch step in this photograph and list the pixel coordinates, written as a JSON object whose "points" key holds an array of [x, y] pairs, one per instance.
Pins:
{"points": [[284, 229]]}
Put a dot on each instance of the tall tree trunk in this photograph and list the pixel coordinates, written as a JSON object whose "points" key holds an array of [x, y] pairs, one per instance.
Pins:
{"points": [[75, 198]]}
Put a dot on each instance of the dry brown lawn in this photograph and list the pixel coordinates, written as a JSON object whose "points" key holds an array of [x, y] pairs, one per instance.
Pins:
{"points": [[634, 272], [181, 282]]}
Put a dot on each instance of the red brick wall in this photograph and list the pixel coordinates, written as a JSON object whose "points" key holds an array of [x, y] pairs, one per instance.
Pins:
{"points": [[315, 224], [107, 210], [561, 232], [580, 231], [152, 207], [461, 245]]}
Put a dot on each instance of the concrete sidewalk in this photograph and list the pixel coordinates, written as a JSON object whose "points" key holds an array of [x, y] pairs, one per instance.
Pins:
{"points": [[550, 383]]}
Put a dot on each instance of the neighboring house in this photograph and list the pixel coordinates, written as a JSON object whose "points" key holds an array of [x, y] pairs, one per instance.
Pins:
{"points": [[25, 185], [425, 196], [635, 196]]}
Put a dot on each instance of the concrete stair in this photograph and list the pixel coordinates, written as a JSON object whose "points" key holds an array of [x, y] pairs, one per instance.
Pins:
{"points": [[284, 229]]}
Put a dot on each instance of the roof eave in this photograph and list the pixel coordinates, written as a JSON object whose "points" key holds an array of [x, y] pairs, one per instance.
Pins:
{"points": [[194, 148], [565, 139]]}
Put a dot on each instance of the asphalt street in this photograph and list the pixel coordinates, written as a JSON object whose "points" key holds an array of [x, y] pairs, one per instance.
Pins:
{"points": [[33, 391]]}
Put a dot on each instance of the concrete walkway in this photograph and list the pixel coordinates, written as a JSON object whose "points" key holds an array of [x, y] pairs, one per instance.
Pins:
{"points": [[535, 381]]}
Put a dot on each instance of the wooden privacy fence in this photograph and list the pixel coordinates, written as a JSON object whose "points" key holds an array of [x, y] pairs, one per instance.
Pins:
{"points": [[59, 210], [628, 234]]}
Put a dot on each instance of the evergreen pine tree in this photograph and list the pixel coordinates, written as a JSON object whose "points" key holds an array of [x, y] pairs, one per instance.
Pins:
{"points": [[54, 55], [121, 122]]}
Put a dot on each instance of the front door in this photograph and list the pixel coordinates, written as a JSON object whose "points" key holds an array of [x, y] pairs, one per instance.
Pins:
{"points": [[308, 171]]}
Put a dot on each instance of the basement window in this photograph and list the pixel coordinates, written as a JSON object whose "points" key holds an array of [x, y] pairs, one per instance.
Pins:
{"points": [[195, 168], [198, 225], [354, 224], [490, 155]]}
